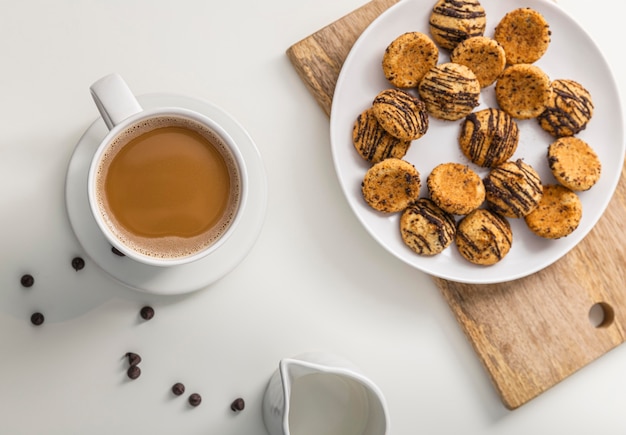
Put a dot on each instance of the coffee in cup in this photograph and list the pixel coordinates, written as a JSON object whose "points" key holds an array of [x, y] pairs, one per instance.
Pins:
{"points": [[166, 185]]}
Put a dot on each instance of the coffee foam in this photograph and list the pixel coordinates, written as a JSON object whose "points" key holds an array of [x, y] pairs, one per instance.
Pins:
{"points": [[167, 247]]}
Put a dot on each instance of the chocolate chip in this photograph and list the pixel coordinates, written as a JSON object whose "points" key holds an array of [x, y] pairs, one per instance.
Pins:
{"points": [[238, 404], [133, 358], [37, 319], [27, 280], [117, 252], [147, 313], [133, 372], [195, 399], [178, 388], [78, 263]]}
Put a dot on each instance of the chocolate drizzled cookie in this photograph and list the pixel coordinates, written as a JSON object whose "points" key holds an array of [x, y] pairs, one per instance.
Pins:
{"points": [[489, 137], [426, 228], [452, 21], [484, 237], [401, 114], [513, 189], [450, 91], [568, 110], [373, 143]]}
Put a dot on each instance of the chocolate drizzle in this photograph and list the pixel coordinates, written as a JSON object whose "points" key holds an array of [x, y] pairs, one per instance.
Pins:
{"points": [[448, 93], [489, 141], [569, 110], [440, 223], [453, 21], [373, 142], [484, 237], [513, 189], [401, 114]]}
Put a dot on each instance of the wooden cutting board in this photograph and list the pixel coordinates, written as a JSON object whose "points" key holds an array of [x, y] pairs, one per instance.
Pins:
{"points": [[531, 333]]}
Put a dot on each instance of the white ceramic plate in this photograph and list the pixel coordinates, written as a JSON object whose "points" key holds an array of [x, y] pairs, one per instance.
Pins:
{"points": [[572, 54], [175, 279]]}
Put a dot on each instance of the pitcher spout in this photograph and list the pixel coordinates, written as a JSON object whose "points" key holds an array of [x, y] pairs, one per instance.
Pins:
{"points": [[306, 397]]}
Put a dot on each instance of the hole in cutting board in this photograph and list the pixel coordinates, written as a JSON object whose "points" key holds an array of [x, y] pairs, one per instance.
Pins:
{"points": [[601, 315]]}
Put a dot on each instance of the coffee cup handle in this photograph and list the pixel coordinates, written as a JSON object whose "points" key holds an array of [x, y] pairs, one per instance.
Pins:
{"points": [[114, 99]]}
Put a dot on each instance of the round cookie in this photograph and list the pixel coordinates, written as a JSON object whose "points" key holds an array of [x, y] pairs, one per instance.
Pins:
{"points": [[484, 237], [450, 91], [426, 228], [558, 214], [524, 34], [401, 114], [373, 143], [513, 189], [484, 56], [489, 137], [574, 163], [391, 185], [455, 188], [568, 110], [408, 58], [523, 91], [452, 21]]}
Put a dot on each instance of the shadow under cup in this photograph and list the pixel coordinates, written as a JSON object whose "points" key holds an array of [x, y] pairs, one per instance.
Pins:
{"points": [[167, 186]]}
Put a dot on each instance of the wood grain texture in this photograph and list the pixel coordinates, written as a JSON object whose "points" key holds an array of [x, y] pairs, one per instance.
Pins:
{"points": [[318, 58], [532, 333]]}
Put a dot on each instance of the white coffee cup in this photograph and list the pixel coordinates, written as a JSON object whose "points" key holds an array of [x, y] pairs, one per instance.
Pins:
{"points": [[166, 186]]}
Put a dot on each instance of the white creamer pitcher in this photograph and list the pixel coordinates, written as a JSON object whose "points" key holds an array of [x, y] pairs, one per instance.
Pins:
{"points": [[323, 394]]}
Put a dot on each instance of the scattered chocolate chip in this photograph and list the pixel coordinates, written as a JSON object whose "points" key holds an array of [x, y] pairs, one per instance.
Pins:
{"points": [[37, 319], [178, 388], [133, 372], [238, 404], [195, 399], [78, 263], [117, 252], [147, 313], [27, 280], [133, 358]]}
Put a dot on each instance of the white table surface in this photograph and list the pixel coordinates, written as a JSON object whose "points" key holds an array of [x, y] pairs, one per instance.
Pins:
{"points": [[314, 280]]}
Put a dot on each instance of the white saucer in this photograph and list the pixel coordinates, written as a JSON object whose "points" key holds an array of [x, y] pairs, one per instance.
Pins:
{"points": [[176, 279]]}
